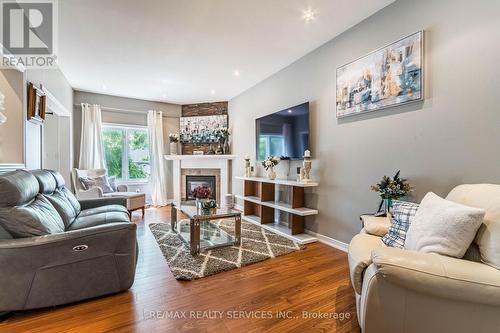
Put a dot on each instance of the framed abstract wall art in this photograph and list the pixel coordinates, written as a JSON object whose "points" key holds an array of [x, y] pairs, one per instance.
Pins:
{"points": [[202, 129], [389, 76]]}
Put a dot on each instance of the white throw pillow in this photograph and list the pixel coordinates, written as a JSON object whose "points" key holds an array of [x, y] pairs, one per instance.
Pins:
{"points": [[443, 227]]}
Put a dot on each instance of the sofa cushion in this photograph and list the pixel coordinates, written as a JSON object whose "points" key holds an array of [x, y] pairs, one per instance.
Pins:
{"points": [[100, 181], [17, 188], [485, 196], [72, 199], [46, 181], [82, 222], [103, 209], [4, 234], [443, 227], [63, 206], [37, 218], [402, 214]]}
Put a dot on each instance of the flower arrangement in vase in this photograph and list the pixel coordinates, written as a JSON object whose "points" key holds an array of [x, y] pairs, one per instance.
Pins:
{"points": [[174, 139], [269, 164], [391, 189], [203, 196]]}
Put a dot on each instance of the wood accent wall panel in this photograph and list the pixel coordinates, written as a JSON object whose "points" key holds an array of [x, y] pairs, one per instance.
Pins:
{"points": [[202, 109]]}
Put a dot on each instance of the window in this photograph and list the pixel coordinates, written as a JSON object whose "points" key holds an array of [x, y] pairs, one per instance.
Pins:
{"points": [[126, 152], [270, 145]]}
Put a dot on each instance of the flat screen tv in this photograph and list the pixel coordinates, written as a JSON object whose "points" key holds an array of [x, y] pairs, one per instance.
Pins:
{"points": [[284, 133]]}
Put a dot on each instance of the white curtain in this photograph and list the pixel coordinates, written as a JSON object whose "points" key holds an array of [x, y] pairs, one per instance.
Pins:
{"points": [[158, 178], [91, 156]]}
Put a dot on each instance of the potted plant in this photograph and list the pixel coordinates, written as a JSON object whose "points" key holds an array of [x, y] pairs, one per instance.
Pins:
{"points": [[203, 196], [391, 189], [269, 164], [174, 139]]}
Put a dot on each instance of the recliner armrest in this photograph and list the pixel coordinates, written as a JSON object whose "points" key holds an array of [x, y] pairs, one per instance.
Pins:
{"points": [[438, 275], [360, 257], [99, 202]]}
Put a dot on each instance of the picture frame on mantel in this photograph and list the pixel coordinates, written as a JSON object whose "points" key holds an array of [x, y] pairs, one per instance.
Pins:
{"points": [[13, 130]]}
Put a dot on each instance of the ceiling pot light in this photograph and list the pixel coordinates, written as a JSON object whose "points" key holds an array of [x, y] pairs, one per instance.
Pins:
{"points": [[236, 72], [309, 15], [212, 92]]}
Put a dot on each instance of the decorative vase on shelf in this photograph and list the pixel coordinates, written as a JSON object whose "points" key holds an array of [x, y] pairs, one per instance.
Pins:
{"points": [[387, 205], [173, 148], [271, 174]]}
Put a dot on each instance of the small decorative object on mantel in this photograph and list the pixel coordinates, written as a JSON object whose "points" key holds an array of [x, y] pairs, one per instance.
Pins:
{"points": [[3, 118], [174, 141], [391, 189], [36, 104], [306, 168], [198, 152], [248, 168], [269, 164], [211, 150], [224, 135]]}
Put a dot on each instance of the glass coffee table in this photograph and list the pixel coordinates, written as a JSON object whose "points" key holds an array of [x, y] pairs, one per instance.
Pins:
{"points": [[199, 231]]}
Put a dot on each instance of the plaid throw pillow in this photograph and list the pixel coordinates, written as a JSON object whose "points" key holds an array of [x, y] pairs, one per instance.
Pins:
{"points": [[402, 214]]}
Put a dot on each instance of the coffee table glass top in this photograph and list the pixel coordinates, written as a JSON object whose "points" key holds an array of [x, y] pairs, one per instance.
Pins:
{"points": [[211, 236], [201, 231]]}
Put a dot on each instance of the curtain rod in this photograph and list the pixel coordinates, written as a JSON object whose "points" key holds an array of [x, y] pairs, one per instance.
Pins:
{"points": [[119, 110]]}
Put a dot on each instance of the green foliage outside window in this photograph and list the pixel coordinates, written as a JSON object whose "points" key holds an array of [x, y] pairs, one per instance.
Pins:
{"points": [[113, 150], [137, 152]]}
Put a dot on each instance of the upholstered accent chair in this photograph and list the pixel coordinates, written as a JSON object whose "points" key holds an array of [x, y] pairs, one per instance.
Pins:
{"points": [[135, 201], [55, 249], [406, 291]]}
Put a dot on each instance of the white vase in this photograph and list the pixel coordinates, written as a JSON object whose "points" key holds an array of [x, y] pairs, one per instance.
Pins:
{"points": [[173, 148], [271, 174]]}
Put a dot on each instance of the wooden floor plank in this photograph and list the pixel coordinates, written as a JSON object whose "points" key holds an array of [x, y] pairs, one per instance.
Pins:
{"points": [[315, 280]]}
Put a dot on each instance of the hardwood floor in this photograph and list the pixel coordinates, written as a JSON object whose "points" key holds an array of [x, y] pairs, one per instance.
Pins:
{"points": [[315, 280]]}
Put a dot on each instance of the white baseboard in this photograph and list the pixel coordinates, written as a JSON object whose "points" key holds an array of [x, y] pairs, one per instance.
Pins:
{"points": [[329, 241]]}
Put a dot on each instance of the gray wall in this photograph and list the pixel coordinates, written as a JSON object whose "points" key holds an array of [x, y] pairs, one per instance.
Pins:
{"points": [[450, 139], [171, 113]]}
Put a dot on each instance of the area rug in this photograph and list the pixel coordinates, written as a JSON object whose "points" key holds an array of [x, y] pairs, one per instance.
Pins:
{"points": [[257, 244]]}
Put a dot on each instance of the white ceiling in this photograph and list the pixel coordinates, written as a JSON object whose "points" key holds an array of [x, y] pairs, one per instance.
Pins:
{"points": [[185, 51]]}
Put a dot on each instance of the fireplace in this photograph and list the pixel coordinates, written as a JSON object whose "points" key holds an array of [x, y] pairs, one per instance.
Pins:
{"points": [[193, 182]]}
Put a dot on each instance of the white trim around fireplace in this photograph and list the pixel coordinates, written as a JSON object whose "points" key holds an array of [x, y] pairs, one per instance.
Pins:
{"points": [[220, 162]]}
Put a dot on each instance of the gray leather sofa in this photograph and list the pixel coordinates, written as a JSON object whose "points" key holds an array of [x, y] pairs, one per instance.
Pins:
{"points": [[55, 249]]}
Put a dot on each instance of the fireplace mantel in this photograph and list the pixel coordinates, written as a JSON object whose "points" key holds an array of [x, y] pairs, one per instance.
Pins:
{"points": [[199, 157], [200, 162]]}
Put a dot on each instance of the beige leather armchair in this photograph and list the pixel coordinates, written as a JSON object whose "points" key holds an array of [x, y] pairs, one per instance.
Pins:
{"points": [[413, 292]]}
